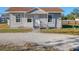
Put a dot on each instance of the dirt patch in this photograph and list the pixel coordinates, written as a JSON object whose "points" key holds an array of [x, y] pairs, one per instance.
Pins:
{"points": [[26, 47]]}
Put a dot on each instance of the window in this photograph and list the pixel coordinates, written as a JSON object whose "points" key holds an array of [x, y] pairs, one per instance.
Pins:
{"points": [[29, 20], [49, 18], [18, 18]]}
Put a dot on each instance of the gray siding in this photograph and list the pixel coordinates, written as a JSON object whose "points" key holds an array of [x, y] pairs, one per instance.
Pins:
{"points": [[43, 19], [56, 20], [27, 24], [13, 23], [22, 23], [59, 23], [44, 22], [52, 24]]}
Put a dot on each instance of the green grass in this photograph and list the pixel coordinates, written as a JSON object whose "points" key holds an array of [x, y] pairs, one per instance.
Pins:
{"points": [[14, 30], [63, 30]]}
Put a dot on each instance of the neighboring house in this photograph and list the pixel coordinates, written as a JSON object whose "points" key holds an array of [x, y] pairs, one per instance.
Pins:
{"points": [[77, 19], [4, 18], [47, 17]]}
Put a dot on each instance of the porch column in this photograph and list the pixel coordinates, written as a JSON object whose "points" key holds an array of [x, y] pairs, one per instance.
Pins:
{"points": [[33, 21], [47, 20]]}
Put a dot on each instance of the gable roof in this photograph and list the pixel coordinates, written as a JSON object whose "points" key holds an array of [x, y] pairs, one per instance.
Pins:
{"points": [[20, 8], [51, 9], [28, 9]]}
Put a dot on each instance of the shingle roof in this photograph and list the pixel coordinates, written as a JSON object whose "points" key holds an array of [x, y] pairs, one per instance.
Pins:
{"points": [[47, 9], [19, 9], [50, 9]]}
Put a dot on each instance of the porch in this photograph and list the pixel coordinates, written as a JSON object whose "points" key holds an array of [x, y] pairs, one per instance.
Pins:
{"points": [[39, 20], [44, 20]]}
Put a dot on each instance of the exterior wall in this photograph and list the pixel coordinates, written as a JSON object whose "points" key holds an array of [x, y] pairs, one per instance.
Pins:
{"points": [[77, 19], [44, 22], [59, 23], [56, 20], [22, 23], [52, 24], [27, 24], [12, 21]]}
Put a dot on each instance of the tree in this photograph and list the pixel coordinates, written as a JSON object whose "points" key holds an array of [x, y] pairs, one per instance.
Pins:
{"points": [[71, 16], [64, 18], [76, 12]]}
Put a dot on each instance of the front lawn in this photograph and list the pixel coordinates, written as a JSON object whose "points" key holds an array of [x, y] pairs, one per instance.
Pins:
{"points": [[63, 30], [14, 30]]}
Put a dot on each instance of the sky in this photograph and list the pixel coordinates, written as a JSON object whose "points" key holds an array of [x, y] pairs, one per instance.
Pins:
{"points": [[67, 10]]}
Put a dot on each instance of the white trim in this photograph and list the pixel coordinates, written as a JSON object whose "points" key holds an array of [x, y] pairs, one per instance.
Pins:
{"points": [[39, 10], [42, 10]]}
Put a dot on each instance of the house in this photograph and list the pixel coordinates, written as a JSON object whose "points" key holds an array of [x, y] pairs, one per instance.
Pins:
{"points": [[4, 18], [30, 17], [76, 19]]}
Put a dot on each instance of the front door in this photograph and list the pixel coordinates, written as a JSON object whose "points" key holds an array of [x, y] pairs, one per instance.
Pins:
{"points": [[36, 21]]}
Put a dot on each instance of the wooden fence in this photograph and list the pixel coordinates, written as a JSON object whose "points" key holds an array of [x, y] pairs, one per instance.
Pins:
{"points": [[70, 22]]}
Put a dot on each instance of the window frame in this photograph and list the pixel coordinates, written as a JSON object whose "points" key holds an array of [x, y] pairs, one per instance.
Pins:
{"points": [[18, 20], [49, 18], [19, 16], [29, 21]]}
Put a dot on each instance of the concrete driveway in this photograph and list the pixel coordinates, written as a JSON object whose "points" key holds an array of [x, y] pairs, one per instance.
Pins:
{"points": [[61, 41]]}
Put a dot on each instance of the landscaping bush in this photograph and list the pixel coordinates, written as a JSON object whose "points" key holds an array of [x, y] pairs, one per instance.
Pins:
{"points": [[70, 26]]}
